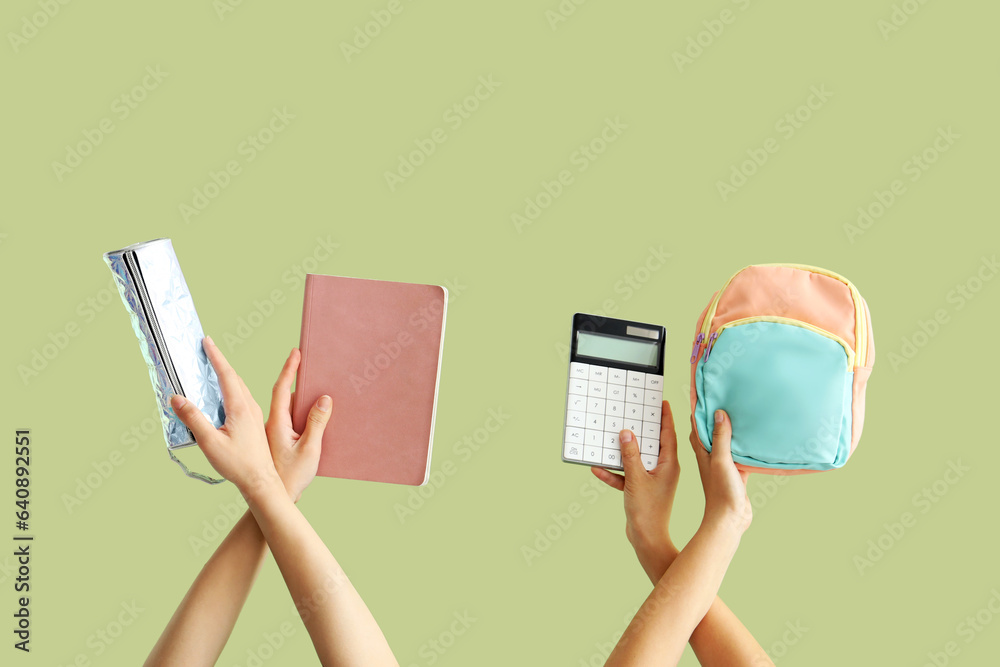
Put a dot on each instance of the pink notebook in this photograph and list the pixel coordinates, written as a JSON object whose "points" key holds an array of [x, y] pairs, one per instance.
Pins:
{"points": [[375, 347]]}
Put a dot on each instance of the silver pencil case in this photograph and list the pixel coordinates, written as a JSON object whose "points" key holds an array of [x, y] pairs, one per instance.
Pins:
{"points": [[165, 321]]}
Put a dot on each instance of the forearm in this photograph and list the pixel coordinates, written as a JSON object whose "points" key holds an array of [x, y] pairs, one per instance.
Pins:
{"points": [[200, 628], [679, 601], [720, 639], [342, 629]]}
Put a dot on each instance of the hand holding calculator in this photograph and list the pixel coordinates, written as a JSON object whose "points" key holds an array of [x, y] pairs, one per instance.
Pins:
{"points": [[615, 383]]}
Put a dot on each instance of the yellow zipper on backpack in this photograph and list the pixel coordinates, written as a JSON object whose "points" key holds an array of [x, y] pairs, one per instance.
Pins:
{"points": [[790, 321], [860, 355]]}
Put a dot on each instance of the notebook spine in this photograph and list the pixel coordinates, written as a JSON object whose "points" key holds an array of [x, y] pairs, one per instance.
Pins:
{"points": [[300, 381]]}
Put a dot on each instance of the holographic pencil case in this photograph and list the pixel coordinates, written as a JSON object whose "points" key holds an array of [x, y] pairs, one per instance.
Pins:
{"points": [[165, 321]]}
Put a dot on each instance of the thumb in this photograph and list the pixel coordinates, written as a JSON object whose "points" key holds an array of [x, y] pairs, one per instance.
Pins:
{"points": [[192, 417], [721, 437], [319, 415], [630, 454]]}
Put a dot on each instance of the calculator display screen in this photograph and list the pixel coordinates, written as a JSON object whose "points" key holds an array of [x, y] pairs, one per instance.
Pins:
{"points": [[614, 348]]}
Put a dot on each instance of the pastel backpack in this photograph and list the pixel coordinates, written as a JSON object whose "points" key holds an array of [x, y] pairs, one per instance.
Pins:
{"points": [[786, 350]]}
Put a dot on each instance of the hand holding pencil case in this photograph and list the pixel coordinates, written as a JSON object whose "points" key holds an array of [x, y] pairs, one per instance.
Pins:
{"points": [[165, 321]]}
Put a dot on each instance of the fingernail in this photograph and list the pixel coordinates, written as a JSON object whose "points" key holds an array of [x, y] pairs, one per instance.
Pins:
{"points": [[178, 401], [209, 340], [718, 416], [626, 436], [324, 403]]}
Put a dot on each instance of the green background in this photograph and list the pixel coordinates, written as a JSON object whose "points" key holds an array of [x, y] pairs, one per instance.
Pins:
{"points": [[514, 292]]}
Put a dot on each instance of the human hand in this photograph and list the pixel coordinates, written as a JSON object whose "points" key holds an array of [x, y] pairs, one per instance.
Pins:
{"points": [[649, 496], [238, 450], [726, 499], [295, 456]]}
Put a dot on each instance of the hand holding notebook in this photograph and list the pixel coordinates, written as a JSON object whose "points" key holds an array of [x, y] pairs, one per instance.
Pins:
{"points": [[375, 347]]}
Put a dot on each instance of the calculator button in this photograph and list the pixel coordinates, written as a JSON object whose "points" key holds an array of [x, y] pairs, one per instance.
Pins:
{"points": [[634, 394], [651, 413], [578, 387], [651, 429], [591, 454], [579, 371], [649, 446], [595, 406], [616, 376], [634, 411], [612, 424], [576, 419], [573, 451], [616, 392], [577, 402], [611, 440], [611, 457], [634, 426], [599, 373], [648, 462], [595, 422], [654, 381], [593, 438], [598, 389], [636, 379], [616, 408], [653, 397], [574, 436]]}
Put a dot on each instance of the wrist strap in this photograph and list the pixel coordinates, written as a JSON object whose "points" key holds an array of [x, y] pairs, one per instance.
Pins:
{"points": [[194, 475]]}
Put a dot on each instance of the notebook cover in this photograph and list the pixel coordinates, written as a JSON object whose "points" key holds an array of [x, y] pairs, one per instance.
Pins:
{"points": [[374, 346]]}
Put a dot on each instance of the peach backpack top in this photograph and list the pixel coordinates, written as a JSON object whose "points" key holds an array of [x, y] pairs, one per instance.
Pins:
{"points": [[786, 350]]}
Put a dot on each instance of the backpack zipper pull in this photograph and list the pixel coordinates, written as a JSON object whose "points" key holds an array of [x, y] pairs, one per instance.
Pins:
{"points": [[708, 346], [697, 344]]}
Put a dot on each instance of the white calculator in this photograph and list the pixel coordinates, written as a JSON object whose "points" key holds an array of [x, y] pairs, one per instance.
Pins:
{"points": [[615, 383]]}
